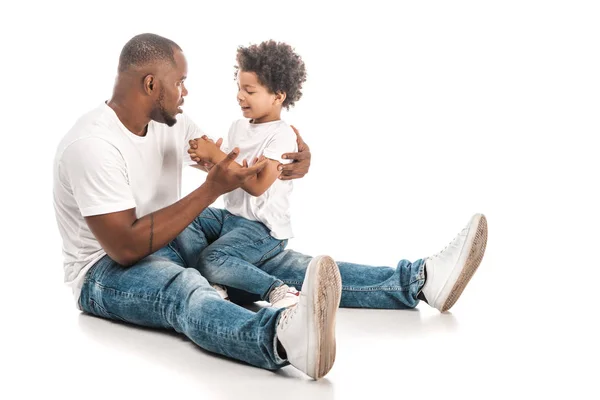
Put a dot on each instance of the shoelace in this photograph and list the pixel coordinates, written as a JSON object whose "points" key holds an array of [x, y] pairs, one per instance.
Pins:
{"points": [[462, 233], [288, 315], [280, 292]]}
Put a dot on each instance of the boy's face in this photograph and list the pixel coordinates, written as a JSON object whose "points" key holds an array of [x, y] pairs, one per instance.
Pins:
{"points": [[255, 99]]}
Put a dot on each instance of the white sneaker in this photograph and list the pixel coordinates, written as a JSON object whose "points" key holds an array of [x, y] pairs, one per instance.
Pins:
{"points": [[221, 290], [284, 296], [449, 271], [307, 330]]}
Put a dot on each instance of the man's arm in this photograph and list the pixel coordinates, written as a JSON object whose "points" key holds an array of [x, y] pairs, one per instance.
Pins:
{"points": [[127, 239]]}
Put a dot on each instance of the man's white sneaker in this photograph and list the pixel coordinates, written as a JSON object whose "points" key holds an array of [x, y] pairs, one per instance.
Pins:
{"points": [[449, 271], [307, 330], [284, 296]]}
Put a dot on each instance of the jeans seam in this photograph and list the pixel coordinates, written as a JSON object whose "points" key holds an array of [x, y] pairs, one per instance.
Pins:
{"points": [[177, 254], [271, 252]]}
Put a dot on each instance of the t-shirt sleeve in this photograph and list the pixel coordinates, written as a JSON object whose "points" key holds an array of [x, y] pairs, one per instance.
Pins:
{"points": [[228, 142], [192, 131], [97, 176], [283, 141]]}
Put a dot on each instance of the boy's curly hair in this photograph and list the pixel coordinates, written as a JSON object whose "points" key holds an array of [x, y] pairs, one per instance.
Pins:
{"points": [[277, 67]]}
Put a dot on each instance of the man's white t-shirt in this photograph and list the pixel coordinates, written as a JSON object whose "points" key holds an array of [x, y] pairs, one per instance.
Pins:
{"points": [[272, 208], [101, 167]]}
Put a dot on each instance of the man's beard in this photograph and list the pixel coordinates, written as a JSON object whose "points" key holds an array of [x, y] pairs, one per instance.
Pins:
{"points": [[160, 114], [169, 120]]}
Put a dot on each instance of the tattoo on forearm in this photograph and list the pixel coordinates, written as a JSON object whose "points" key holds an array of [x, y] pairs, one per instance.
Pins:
{"points": [[151, 231]]}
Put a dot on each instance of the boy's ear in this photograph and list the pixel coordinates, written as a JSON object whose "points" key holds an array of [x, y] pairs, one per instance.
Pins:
{"points": [[280, 97]]}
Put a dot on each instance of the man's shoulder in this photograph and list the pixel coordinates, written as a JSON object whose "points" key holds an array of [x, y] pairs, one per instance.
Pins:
{"points": [[96, 121], [93, 126]]}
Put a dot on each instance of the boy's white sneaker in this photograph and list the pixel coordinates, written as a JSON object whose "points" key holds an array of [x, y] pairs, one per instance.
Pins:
{"points": [[449, 271], [307, 330], [221, 290], [284, 296]]}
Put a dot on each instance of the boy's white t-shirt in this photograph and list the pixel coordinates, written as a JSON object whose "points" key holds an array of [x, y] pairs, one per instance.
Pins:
{"points": [[101, 167], [272, 208]]}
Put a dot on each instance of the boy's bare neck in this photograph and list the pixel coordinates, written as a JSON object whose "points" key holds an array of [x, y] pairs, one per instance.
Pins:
{"points": [[276, 116]]}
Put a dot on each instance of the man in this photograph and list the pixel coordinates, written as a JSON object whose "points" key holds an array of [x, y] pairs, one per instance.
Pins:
{"points": [[131, 244]]}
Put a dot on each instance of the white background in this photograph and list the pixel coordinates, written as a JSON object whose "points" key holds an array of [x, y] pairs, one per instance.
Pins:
{"points": [[418, 115]]}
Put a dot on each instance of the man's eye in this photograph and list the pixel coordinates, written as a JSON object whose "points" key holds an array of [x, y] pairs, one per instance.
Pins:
{"points": [[249, 92]]}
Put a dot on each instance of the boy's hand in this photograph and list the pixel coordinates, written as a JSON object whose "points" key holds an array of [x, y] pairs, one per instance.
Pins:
{"points": [[202, 151], [301, 164]]}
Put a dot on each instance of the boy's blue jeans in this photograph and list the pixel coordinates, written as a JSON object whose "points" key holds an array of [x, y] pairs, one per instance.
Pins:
{"points": [[231, 259], [165, 290]]}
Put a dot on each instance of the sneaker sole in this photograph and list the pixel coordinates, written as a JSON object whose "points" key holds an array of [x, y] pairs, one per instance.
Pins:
{"points": [[477, 248], [326, 304]]}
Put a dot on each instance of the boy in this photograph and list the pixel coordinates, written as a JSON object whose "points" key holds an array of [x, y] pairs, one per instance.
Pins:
{"points": [[255, 225]]}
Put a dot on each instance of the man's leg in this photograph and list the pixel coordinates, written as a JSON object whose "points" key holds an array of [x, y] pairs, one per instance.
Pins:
{"points": [[447, 273], [230, 260], [159, 292], [362, 285]]}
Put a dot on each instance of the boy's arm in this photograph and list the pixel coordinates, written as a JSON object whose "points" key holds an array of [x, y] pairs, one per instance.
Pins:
{"points": [[205, 149]]}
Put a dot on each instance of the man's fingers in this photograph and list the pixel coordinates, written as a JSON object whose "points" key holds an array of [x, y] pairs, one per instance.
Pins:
{"points": [[296, 132], [230, 157], [283, 177], [301, 144], [245, 163], [253, 170], [219, 142], [296, 156]]}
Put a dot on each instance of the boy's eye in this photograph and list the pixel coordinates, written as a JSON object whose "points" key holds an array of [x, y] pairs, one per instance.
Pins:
{"points": [[249, 92]]}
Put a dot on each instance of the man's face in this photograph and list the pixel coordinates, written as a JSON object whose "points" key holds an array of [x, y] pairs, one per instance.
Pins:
{"points": [[171, 91], [254, 98]]}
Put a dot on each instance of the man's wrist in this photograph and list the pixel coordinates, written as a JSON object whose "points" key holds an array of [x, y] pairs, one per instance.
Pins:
{"points": [[210, 191]]}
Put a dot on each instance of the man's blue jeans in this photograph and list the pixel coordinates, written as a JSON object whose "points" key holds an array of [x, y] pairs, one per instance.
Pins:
{"points": [[165, 290]]}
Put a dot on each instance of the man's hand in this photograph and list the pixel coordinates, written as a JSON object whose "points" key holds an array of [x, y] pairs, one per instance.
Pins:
{"points": [[204, 164], [223, 179], [301, 164]]}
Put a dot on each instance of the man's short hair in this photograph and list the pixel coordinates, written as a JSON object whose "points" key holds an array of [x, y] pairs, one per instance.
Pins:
{"points": [[146, 49]]}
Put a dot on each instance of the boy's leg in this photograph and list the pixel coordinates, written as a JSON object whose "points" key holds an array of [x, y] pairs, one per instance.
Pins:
{"points": [[441, 278], [231, 259], [205, 229], [160, 292]]}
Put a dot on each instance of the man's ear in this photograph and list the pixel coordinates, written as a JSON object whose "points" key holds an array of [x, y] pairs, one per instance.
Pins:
{"points": [[149, 84], [280, 98]]}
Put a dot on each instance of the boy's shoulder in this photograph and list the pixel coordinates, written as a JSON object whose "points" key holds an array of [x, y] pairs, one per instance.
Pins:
{"points": [[282, 128]]}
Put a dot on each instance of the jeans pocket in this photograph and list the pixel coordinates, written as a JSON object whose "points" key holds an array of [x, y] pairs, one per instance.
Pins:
{"points": [[278, 248]]}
